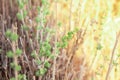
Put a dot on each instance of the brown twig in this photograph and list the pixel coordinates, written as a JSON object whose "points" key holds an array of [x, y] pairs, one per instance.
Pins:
{"points": [[112, 56]]}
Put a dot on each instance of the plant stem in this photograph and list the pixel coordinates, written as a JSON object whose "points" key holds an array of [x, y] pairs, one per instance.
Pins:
{"points": [[112, 56]]}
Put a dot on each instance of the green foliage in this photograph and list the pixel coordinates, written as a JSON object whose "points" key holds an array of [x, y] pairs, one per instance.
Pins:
{"points": [[66, 38], [12, 78], [24, 27], [38, 62], [10, 54], [47, 64], [8, 33], [12, 65], [17, 67], [19, 16], [18, 52], [22, 77], [99, 46], [37, 19], [24, 14], [21, 4], [44, 2], [115, 63], [39, 27], [41, 72], [59, 24], [12, 36], [33, 54]]}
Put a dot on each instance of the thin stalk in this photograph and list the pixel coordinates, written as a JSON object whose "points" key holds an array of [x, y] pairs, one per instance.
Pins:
{"points": [[54, 62], [14, 45], [112, 56]]}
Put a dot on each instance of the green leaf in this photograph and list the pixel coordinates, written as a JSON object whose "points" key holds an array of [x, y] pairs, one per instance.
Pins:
{"points": [[64, 38], [17, 67], [52, 56], [44, 2], [12, 78], [12, 65], [38, 8], [70, 33], [37, 19], [24, 14], [99, 46], [18, 52], [20, 76], [46, 12], [39, 27], [10, 54], [47, 64], [8, 33], [37, 73], [14, 37], [33, 54], [19, 16], [59, 24], [38, 62], [64, 44], [21, 4], [24, 27], [40, 72], [43, 71], [118, 55], [47, 53], [58, 44]]}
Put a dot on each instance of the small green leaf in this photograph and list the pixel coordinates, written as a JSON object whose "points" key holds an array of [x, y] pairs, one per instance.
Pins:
{"points": [[43, 71], [99, 46], [33, 54], [12, 65], [59, 24], [46, 12], [40, 72], [37, 19], [39, 27], [115, 63], [21, 4], [64, 44], [118, 55], [18, 52], [52, 56], [47, 53], [64, 38], [44, 2], [10, 54], [12, 78], [19, 16], [37, 73], [38, 62], [14, 37], [17, 67], [47, 64], [8, 33], [24, 27], [70, 33], [24, 14], [38, 8], [20, 77]]}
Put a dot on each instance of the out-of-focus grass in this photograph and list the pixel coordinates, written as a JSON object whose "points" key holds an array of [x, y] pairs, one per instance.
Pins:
{"points": [[101, 19]]}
